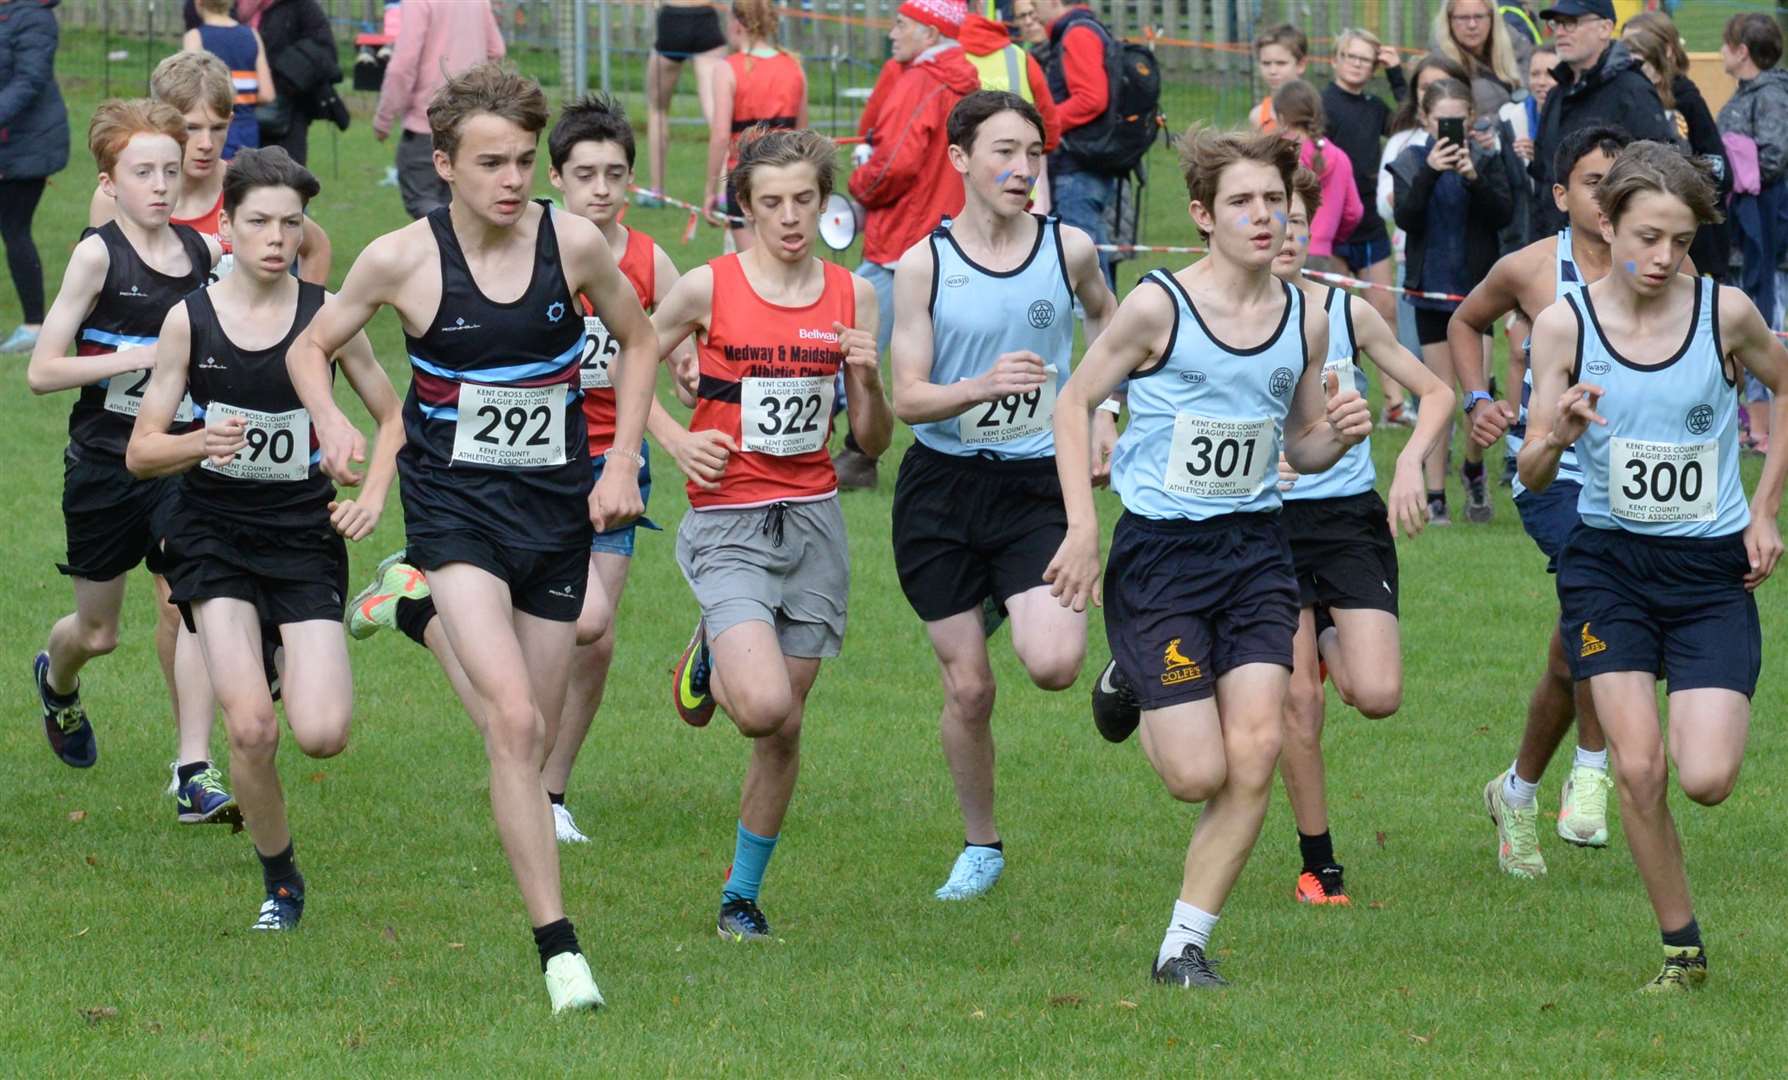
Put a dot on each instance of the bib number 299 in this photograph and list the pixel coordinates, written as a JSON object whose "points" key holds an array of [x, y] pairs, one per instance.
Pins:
{"points": [[1219, 459], [510, 426], [784, 417], [1010, 418]]}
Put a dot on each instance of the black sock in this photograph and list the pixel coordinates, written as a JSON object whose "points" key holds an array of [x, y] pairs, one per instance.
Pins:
{"points": [[187, 772], [557, 798], [1318, 850], [850, 443], [1437, 497], [1689, 935], [59, 699], [277, 870], [997, 845], [1474, 470], [413, 617], [555, 938]]}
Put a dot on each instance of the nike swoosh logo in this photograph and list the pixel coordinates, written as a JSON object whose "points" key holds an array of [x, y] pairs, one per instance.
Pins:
{"points": [[368, 604], [1105, 686], [184, 802]]}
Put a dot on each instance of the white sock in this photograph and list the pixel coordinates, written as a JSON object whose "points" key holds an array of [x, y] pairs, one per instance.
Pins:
{"points": [[1517, 792], [1189, 926], [1593, 759]]}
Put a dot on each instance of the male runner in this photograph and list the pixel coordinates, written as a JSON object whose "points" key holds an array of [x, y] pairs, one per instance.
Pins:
{"points": [[497, 491], [1344, 552], [1204, 603], [1637, 372], [977, 508], [121, 281], [763, 546], [1525, 283], [257, 535], [592, 152]]}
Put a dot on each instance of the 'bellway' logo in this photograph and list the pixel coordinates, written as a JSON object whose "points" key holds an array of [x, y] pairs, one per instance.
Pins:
{"points": [[817, 335]]}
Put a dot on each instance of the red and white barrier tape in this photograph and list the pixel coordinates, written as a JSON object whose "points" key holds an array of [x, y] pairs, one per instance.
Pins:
{"points": [[1356, 283]]}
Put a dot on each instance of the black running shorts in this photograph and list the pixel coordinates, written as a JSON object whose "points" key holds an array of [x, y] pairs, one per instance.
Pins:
{"points": [[1343, 551], [290, 575], [113, 520], [684, 32], [544, 584]]}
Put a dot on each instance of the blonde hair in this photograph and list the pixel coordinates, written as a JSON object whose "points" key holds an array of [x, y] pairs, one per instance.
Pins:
{"points": [[1357, 33], [490, 87], [1205, 152], [1502, 65], [758, 18], [187, 80], [764, 147], [116, 122]]}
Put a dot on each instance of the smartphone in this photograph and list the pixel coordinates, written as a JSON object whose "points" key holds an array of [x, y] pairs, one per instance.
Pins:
{"points": [[1452, 129]]}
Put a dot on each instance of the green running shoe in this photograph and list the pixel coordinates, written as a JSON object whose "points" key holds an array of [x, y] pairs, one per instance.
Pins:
{"points": [[1583, 808], [1685, 969], [1517, 834], [375, 608]]}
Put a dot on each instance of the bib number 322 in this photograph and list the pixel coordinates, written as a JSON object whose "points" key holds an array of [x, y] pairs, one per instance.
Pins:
{"points": [[278, 444], [1663, 482], [785, 417], [1220, 459], [510, 427]]}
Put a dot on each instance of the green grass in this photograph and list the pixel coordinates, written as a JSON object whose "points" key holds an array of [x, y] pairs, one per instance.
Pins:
{"points": [[125, 936]]}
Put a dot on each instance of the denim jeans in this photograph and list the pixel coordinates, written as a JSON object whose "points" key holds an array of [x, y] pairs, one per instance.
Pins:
{"points": [[1081, 199]]}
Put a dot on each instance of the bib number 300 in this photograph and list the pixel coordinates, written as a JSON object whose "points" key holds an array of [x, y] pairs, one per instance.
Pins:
{"points": [[599, 349], [278, 444], [1220, 459], [510, 427], [1663, 482], [1013, 417], [785, 417]]}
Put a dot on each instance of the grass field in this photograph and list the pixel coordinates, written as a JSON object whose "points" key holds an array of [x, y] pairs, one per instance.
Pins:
{"points": [[125, 936]]}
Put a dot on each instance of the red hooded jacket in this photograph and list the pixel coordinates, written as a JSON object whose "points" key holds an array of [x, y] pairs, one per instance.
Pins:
{"points": [[908, 184], [984, 37]]}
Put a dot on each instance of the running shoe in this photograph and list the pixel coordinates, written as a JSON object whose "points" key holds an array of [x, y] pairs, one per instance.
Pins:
{"points": [[281, 910], [856, 470], [1398, 415], [689, 681], [975, 872], [1437, 512], [1322, 887], [740, 920], [374, 608], [21, 340], [273, 657], [1517, 833], [1478, 510], [1188, 969], [65, 725], [1115, 711], [1685, 969], [565, 827], [203, 801], [570, 985], [1583, 809]]}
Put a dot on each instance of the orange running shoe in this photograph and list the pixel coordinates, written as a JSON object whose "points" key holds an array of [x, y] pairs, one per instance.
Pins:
{"points": [[1322, 887]]}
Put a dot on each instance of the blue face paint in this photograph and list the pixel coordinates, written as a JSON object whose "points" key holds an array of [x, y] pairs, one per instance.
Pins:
{"points": [[1242, 221], [1279, 216], [1632, 267], [1005, 176]]}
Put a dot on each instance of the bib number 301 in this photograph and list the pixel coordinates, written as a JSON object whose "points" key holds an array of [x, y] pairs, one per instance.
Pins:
{"points": [[785, 417], [278, 448], [510, 427], [1663, 482], [599, 349], [1013, 417], [124, 396], [1220, 459]]}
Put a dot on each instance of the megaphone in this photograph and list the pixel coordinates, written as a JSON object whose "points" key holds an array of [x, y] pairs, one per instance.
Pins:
{"points": [[839, 222]]}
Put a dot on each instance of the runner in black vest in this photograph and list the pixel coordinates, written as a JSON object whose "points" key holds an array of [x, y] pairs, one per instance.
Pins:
{"points": [[257, 536]]}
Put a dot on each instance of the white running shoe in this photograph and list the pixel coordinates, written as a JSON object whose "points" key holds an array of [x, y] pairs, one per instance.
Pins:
{"points": [[570, 985], [173, 778], [1583, 809], [975, 872], [565, 827]]}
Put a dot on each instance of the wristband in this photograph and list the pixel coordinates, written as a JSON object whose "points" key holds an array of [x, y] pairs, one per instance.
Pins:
{"points": [[616, 451], [1472, 398], [1111, 405]]}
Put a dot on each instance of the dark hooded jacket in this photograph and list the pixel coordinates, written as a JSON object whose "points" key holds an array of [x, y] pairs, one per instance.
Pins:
{"points": [[1614, 92], [33, 120]]}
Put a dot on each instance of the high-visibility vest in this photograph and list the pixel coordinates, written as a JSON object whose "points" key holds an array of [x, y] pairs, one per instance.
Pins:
{"points": [[1003, 70], [1533, 29]]}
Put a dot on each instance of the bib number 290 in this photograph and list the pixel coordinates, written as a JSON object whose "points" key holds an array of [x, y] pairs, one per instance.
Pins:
{"points": [[1220, 459], [510, 426], [277, 446], [784, 417]]}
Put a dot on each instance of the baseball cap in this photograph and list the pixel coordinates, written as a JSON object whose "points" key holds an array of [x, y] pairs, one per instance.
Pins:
{"points": [[1576, 9]]}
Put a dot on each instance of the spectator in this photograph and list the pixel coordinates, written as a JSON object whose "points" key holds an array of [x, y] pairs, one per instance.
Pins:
{"points": [[33, 147], [241, 50], [1469, 33], [760, 84], [438, 39], [1002, 65], [1030, 28], [1357, 122], [907, 184], [1451, 200], [1297, 109], [301, 51], [1406, 127], [1540, 84], [688, 30], [1599, 83], [1082, 71], [1281, 53], [1524, 34], [1653, 38], [1758, 114]]}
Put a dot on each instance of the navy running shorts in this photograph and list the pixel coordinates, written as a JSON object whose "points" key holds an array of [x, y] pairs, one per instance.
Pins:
{"points": [[1550, 516]]}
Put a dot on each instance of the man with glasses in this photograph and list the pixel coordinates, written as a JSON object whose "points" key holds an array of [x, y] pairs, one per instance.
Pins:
{"points": [[1599, 83]]}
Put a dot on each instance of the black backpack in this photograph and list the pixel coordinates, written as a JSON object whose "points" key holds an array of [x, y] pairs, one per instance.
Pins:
{"points": [[1116, 144]]}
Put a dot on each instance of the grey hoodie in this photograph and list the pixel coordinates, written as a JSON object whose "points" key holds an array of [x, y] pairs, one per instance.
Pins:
{"points": [[1759, 109]]}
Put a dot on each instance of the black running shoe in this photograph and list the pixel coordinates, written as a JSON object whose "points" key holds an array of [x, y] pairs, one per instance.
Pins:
{"points": [[272, 657], [65, 725], [740, 920], [1189, 968], [1115, 711], [1478, 510], [282, 909]]}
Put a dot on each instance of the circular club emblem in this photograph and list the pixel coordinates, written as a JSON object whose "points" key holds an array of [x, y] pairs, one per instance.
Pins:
{"points": [[1700, 420], [555, 311], [1280, 384], [1598, 367], [1042, 313]]}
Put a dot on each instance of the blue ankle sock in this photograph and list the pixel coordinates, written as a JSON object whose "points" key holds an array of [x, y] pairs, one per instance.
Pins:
{"points": [[751, 854]]}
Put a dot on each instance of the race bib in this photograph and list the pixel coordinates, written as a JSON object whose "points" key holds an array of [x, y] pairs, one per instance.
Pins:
{"points": [[785, 417], [1013, 417], [278, 449], [124, 396], [1661, 482], [599, 349], [510, 427], [1220, 459]]}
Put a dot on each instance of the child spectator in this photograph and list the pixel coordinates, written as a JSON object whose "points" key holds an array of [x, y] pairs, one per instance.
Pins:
{"points": [[1280, 53], [240, 48], [1297, 110]]}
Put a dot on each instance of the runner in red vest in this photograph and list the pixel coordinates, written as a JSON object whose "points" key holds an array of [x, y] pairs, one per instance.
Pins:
{"points": [[759, 84]]}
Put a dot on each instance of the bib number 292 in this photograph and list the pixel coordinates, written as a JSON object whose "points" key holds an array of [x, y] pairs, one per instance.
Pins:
{"points": [[510, 426], [784, 417], [124, 396], [1219, 459]]}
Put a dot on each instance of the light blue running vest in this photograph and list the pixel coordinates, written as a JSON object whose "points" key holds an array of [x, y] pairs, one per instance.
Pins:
{"points": [[1205, 423], [1569, 283], [1666, 463], [978, 314], [1353, 474]]}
